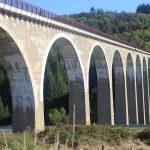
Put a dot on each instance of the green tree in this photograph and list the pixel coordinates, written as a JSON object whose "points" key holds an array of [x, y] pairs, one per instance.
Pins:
{"points": [[4, 112], [143, 8], [57, 116], [92, 10]]}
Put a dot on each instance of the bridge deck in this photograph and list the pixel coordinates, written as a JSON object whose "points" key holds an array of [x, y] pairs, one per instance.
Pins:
{"points": [[19, 4]]}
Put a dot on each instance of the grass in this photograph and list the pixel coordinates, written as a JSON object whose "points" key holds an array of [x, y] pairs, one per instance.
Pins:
{"points": [[93, 134], [55, 136], [16, 141]]}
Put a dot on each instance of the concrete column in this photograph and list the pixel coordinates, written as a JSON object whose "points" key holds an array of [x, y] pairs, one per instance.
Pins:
{"points": [[145, 88], [136, 99], [125, 90], [131, 90], [23, 109], [119, 90], [139, 86], [111, 96], [141, 59]]}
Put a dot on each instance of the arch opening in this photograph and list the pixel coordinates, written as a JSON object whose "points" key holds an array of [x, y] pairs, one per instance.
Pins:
{"points": [[5, 97], [118, 85], [139, 90], [74, 79], [131, 90], [23, 106], [93, 92], [145, 88], [99, 77], [56, 96]]}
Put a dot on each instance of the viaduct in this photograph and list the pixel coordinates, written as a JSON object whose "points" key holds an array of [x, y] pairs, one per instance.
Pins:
{"points": [[28, 33]]}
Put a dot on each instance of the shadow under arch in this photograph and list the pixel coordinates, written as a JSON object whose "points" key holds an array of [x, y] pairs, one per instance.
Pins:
{"points": [[118, 85], [75, 78], [23, 104], [130, 78], [139, 90], [145, 88], [103, 86]]}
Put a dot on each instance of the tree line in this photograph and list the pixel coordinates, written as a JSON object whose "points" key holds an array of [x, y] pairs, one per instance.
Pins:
{"points": [[132, 27]]}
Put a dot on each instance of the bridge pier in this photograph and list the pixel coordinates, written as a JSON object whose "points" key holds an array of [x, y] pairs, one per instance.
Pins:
{"points": [[131, 92], [23, 109], [139, 86]]}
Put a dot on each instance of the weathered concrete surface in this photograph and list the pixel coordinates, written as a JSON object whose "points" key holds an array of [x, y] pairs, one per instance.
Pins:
{"points": [[75, 79], [25, 43], [139, 91], [145, 88], [103, 86], [131, 96], [119, 96], [21, 87]]}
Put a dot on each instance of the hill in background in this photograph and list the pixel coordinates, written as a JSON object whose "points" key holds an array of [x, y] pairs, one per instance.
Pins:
{"points": [[132, 27]]}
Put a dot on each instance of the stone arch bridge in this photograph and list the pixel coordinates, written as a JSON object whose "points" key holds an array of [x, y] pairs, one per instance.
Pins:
{"points": [[27, 34]]}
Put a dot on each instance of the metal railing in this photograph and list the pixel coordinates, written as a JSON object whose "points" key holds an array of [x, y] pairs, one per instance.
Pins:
{"points": [[47, 14]]}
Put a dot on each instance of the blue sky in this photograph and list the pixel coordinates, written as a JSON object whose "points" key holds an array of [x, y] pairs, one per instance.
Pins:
{"points": [[75, 6]]}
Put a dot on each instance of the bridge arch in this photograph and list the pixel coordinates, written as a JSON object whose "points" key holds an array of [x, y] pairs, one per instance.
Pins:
{"points": [[145, 89], [73, 66], [23, 104], [130, 79], [103, 84], [118, 86], [139, 90]]}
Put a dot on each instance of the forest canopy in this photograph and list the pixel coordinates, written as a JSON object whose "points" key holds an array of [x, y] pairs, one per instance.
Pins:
{"points": [[143, 8], [132, 27]]}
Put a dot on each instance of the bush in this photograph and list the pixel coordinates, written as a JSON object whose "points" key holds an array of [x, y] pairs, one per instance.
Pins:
{"points": [[93, 134], [57, 116], [144, 135]]}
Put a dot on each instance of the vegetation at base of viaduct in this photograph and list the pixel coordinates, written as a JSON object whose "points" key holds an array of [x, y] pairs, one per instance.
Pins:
{"points": [[132, 27], [90, 137]]}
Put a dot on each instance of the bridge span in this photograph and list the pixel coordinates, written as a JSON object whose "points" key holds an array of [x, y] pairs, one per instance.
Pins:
{"points": [[27, 35]]}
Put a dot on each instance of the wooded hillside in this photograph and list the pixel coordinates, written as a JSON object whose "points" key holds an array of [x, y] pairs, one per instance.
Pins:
{"points": [[132, 27]]}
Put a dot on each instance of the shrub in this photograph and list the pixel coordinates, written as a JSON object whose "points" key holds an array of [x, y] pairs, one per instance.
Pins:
{"points": [[93, 134], [57, 116], [144, 135]]}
